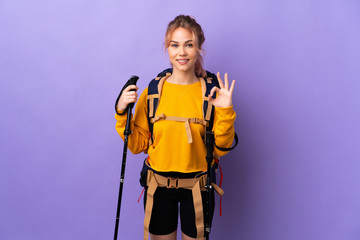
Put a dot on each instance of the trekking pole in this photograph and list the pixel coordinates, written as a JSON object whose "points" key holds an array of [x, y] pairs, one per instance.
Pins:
{"points": [[127, 132], [209, 187]]}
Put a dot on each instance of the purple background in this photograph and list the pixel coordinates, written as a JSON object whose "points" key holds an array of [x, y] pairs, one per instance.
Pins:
{"points": [[295, 174]]}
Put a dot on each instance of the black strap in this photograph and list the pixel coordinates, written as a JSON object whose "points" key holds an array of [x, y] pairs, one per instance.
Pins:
{"points": [[230, 148]]}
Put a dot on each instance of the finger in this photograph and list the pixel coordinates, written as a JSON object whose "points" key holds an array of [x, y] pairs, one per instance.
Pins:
{"points": [[131, 99], [136, 88], [226, 82], [134, 100], [131, 94], [221, 84], [213, 90], [128, 95], [211, 100], [232, 86], [131, 87]]}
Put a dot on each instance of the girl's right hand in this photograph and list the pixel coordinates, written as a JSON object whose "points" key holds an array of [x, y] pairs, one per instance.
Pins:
{"points": [[129, 95]]}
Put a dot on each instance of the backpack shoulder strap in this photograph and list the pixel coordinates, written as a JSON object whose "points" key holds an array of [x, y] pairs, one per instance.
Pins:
{"points": [[153, 97], [208, 109]]}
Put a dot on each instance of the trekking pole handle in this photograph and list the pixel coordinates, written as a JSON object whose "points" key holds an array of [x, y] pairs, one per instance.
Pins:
{"points": [[132, 81]]}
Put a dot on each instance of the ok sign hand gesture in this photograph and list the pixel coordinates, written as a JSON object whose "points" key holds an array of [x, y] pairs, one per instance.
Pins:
{"points": [[224, 94]]}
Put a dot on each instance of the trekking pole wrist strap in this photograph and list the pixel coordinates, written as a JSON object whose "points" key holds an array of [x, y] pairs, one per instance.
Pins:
{"points": [[230, 148]]}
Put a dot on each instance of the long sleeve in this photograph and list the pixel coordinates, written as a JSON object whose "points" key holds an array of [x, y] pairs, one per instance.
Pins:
{"points": [[139, 137], [224, 128]]}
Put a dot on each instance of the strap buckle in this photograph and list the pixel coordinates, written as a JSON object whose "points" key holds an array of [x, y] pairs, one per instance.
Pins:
{"points": [[172, 183]]}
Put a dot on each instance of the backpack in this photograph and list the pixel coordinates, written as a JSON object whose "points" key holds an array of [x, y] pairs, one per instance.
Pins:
{"points": [[153, 99]]}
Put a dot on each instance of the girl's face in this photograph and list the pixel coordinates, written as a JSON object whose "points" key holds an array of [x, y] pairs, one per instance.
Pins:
{"points": [[182, 50]]}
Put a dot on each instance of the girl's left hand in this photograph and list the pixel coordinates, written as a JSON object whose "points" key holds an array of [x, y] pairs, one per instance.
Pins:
{"points": [[224, 94]]}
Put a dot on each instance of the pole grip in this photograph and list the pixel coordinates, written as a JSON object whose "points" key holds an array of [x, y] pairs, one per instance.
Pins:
{"points": [[132, 81]]}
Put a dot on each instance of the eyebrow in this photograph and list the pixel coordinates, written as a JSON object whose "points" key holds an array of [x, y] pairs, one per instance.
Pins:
{"points": [[178, 42]]}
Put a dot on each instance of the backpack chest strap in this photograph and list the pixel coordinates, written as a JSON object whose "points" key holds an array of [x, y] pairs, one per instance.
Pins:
{"points": [[187, 122]]}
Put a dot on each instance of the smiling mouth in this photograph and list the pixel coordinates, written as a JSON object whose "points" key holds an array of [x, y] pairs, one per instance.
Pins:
{"points": [[182, 61]]}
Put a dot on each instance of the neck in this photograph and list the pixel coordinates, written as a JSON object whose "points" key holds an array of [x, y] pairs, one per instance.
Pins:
{"points": [[182, 78]]}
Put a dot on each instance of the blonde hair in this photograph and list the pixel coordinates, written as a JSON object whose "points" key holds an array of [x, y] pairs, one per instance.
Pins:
{"points": [[190, 24]]}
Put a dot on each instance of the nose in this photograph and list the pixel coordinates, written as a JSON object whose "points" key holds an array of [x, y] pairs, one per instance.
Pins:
{"points": [[182, 51]]}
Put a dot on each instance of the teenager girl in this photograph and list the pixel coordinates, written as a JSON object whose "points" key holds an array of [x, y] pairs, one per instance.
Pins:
{"points": [[178, 152]]}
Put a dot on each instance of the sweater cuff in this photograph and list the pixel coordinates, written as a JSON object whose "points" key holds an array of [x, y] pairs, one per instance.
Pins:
{"points": [[226, 111], [120, 117]]}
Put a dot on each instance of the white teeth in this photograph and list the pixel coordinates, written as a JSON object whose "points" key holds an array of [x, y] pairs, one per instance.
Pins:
{"points": [[182, 61]]}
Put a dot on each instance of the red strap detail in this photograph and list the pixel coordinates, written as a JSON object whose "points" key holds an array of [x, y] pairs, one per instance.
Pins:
{"points": [[221, 179], [142, 192], [141, 195]]}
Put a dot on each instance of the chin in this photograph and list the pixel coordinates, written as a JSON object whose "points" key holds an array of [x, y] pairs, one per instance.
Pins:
{"points": [[184, 68]]}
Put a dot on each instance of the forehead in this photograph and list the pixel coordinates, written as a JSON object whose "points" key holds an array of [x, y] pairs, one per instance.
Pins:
{"points": [[181, 35]]}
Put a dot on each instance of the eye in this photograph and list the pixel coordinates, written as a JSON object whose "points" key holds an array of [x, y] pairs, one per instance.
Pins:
{"points": [[189, 45], [174, 45]]}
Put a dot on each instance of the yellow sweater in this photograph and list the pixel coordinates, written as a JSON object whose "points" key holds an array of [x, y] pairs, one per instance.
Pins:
{"points": [[171, 151]]}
